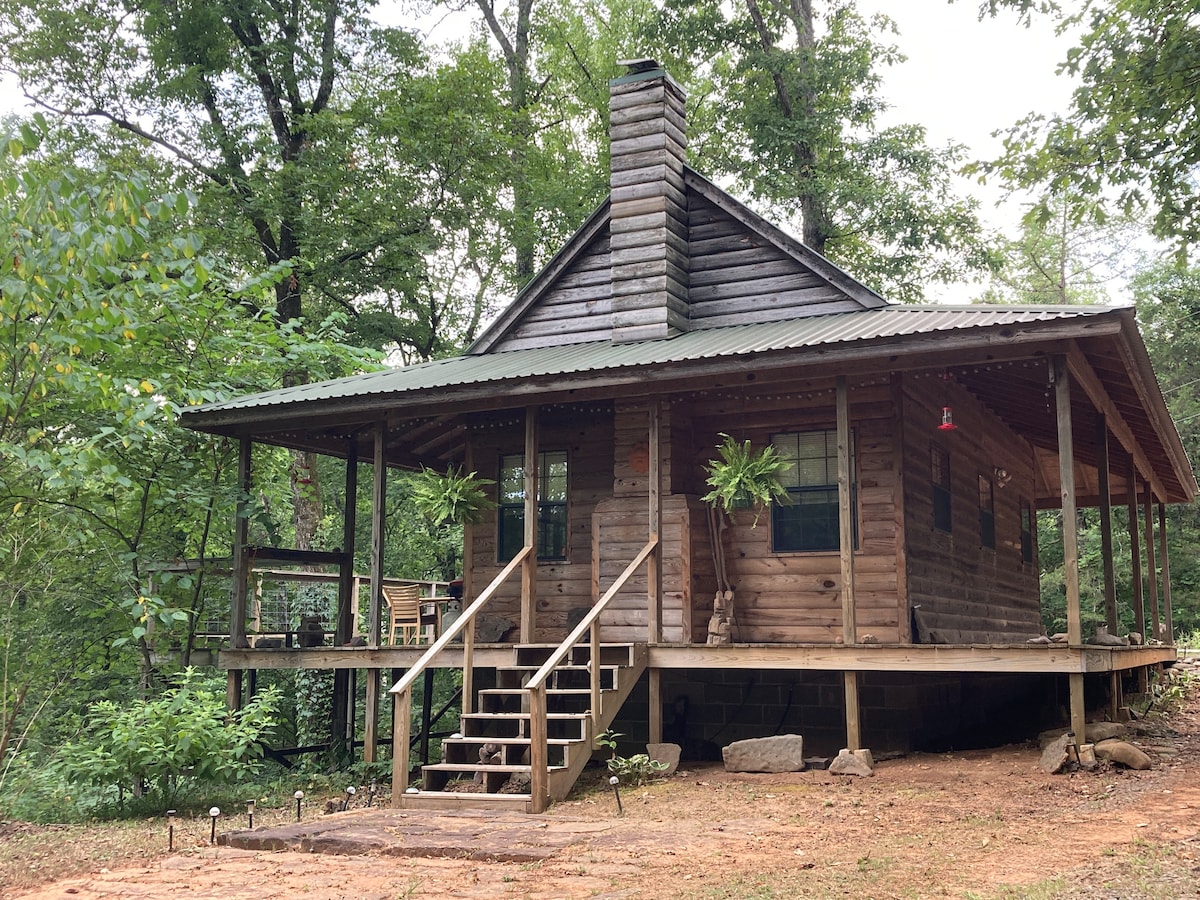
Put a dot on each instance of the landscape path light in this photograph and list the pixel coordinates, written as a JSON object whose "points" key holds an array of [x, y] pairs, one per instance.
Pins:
{"points": [[214, 814], [250, 815], [299, 797], [350, 792], [616, 784], [170, 831]]}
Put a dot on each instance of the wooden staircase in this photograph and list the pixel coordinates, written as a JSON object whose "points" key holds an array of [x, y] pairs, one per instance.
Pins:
{"points": [[501, 730]]}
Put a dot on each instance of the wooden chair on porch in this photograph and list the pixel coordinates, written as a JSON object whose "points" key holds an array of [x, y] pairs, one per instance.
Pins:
{"points": [[404, 610]]}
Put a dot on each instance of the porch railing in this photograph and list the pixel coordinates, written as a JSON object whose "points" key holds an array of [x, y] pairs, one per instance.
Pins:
{"points": [[402, 691], [539, 756]]}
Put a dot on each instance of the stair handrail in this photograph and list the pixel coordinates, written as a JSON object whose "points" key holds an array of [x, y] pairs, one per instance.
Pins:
{"points": [[402, 689], [539, 755]]}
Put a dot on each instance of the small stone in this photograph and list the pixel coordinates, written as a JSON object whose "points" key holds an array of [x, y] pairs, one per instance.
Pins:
{"points": [[1055, 756], [665, 753], [1124, 753], [777, 753], [847, 763]]}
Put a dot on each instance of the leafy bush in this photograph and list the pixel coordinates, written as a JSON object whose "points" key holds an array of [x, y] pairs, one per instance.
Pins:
{"points": [[184, 737], [636, 769]]}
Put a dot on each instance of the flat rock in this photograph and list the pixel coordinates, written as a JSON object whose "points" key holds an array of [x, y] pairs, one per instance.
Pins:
{"points": [[1055, 756], [1106, 731], [777, 753], [1124, 753], [665, 753], [848, 763]]}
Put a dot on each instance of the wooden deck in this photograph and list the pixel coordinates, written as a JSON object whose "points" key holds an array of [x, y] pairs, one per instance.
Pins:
{"points": [[1000, 658]]}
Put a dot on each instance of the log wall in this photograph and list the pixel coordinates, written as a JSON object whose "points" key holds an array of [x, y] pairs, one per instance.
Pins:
{"points": [[966, 592], [796, 597], [563, 585]]}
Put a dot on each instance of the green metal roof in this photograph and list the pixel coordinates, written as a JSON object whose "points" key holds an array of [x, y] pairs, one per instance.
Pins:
{"points": [[860, 326]]}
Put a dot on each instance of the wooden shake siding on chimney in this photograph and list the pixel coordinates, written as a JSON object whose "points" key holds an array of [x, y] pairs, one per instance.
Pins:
{"points": [[648, 219]]}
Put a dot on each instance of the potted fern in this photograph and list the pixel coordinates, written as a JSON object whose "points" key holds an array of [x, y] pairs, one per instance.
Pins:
{"points": [[453, 496], [742, 478]]}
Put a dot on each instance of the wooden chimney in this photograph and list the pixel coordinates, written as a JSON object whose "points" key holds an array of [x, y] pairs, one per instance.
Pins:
{"points": [[648, 232]]}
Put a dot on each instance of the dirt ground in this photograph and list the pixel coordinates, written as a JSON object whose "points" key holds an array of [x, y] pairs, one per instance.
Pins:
{"points": [[974, 825]]}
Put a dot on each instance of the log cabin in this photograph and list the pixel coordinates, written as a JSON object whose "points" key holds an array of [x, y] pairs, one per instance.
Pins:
{"points": [[891, 604]]}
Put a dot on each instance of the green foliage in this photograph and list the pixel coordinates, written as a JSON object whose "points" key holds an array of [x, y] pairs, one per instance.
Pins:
{"points": [[452, 497], [743, 477], [186, 735], [794, 103], [635, 770], [1131, 133]]}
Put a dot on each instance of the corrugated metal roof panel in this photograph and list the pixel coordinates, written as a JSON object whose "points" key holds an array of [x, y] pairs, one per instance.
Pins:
{"points": [[738, 340]]}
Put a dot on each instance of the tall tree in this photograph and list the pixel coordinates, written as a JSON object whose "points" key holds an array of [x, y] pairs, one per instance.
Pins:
{"points": [[1132, 133], [797, 100]]}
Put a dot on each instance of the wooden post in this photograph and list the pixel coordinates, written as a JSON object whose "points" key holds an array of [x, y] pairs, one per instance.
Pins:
{"points": [[1166, 575], [233, 689], [539, 757], [529, 566], [853, 721], [1106, 537], [347, 584], [426, 711], [1135, 554], [241, 559], [468, 672], [1070, 525], [654, 497], [371, 716], [655, 719], [1151, 567], [845, 512], [401, 713], [378, 518]]}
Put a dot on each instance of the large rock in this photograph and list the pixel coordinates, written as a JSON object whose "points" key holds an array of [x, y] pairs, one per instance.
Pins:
{"points": [[1055, 756], [665, 753], [778, 753], [850, 763], [1106, 731], [1124, 753]]}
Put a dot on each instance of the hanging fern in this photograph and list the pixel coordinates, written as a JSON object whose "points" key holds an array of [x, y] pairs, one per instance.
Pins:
{"points": [[743, 477], [450, 497]]}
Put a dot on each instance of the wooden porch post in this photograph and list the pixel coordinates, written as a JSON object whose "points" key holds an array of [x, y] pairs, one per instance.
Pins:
{"points": [[1135, 571], [1166, 574], [1151, 567], [846, 542], [529, 565], [1070, 525], [241, 573], [347, 584], [375, 627], [654, 498], [1106, 536]]}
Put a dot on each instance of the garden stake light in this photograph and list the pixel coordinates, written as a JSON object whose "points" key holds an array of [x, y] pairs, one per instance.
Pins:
{"points": [[299, 795], [214, 814], [350, 792], [371, 795], [616, 783], [170, 831], [250, 815]]}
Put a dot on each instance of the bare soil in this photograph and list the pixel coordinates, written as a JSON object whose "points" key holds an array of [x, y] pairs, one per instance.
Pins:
{"points": [[980, 824]]}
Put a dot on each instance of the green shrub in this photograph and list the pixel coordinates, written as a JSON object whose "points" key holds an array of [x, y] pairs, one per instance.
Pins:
{"points": [[171, 743]]}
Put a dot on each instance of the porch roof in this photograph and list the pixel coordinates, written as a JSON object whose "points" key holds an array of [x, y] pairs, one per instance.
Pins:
{"points": [[323, 416]]}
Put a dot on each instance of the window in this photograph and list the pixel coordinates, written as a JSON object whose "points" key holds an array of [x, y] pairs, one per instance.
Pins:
{"points": [[810, 521], [987, 513], [1027, 525], [939, 478], [552, 506]]}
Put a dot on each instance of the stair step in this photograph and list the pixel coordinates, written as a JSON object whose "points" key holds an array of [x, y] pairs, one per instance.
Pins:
{"points": [[472, 768], [464, 800]]}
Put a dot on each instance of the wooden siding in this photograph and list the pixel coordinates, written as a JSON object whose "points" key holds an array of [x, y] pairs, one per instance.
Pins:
{"points": [[738, 276], [563, 585], [796, 597], [575, 310], [966, 592]]}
